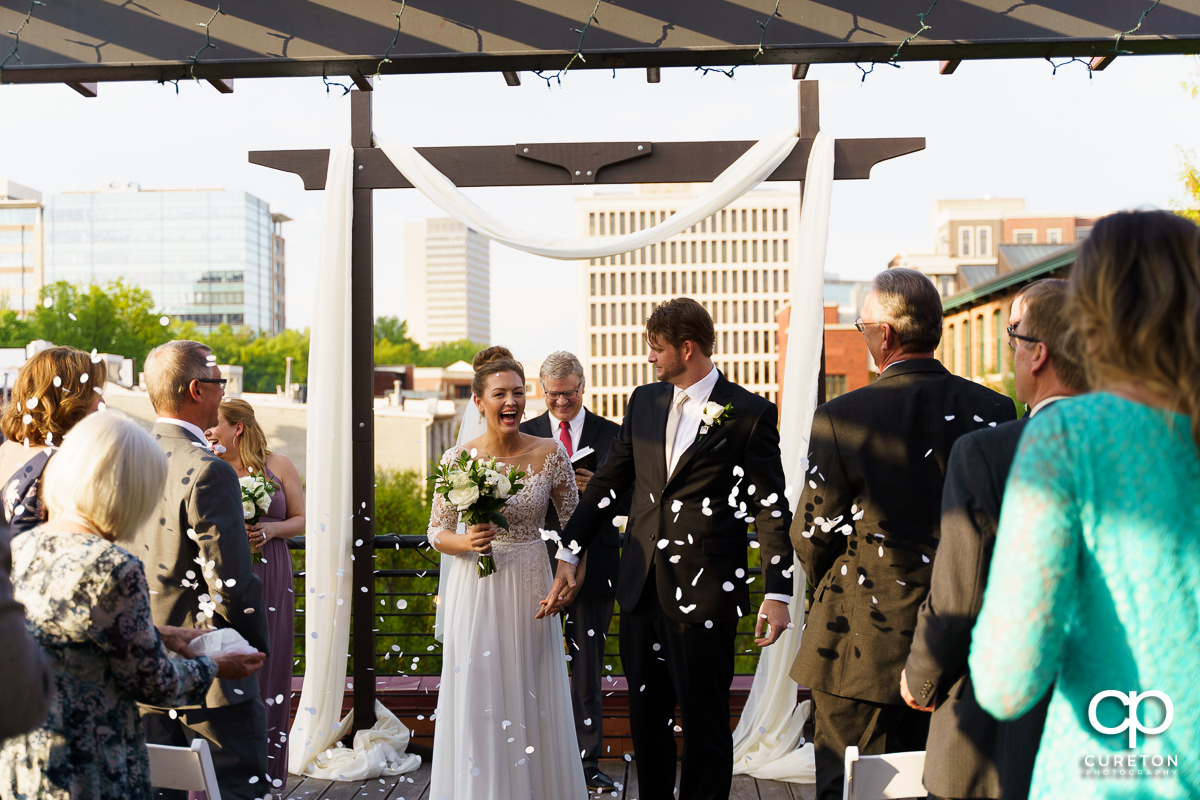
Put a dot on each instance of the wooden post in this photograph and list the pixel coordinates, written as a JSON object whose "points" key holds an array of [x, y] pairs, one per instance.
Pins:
{"points": [[362, 402], [810, 123]]}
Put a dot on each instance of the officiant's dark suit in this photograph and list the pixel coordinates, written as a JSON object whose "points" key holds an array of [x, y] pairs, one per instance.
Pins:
{"points": [[586, 620], [970, 753], [198, 565], [866, 526], [683, 579]]}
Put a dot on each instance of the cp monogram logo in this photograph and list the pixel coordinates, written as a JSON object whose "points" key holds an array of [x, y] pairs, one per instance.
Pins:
{"points": [[1132, 723]]}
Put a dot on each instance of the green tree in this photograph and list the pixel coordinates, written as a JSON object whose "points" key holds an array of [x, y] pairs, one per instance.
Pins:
{"points": [[1189, 173], [262, 357], [119, 318], [443, 355], [14, 331]]}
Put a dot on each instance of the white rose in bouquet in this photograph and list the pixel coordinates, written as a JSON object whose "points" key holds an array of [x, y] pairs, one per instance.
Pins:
{"points": [[463, 498], [248, 509], [500, 481]]}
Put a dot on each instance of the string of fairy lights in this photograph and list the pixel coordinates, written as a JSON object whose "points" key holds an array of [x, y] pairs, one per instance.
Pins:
{"points": [[577, 56]]}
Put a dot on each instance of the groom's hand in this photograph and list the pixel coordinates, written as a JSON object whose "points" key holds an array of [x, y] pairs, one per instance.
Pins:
{"points": [[773, 616], [562, 592]]}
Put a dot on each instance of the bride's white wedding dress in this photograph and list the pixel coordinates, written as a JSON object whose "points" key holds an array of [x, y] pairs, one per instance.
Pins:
{"points": [[504, 726]]}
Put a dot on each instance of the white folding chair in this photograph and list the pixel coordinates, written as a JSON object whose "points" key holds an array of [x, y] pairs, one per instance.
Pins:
{"points": [[187, 768], [891, 775]]}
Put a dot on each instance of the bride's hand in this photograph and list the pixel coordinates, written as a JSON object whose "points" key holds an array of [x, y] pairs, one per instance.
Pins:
{"points": [[479, 537], [561, 593]]}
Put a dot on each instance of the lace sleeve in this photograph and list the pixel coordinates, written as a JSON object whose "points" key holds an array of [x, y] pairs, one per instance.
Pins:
{"points": [[1015, 648], [563, 491], [442, 516]]}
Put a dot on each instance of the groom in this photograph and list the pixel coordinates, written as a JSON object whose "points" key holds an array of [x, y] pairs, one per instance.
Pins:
{"points": [[702, 457]]}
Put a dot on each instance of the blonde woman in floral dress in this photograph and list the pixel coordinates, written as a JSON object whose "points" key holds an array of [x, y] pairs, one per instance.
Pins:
{"points": [[504, 725]]}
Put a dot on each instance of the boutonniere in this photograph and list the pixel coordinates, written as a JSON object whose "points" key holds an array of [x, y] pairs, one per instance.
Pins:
{"points": [[714, 414]]}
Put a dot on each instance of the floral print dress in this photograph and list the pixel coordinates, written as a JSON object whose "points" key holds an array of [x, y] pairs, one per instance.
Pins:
{"points": [[88, 605]]}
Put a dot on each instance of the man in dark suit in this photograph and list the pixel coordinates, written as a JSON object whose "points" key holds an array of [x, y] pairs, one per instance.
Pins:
{"points": [[867, 523], [702, 457], [197, 559], [586, 620], [969, 753]]}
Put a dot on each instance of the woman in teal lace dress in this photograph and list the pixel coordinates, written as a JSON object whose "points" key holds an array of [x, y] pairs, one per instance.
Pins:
{"points": [[88, 605], [1095, 583]]}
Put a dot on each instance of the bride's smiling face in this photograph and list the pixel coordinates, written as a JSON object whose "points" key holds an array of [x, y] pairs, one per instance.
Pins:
{"points": [[503, 401]]}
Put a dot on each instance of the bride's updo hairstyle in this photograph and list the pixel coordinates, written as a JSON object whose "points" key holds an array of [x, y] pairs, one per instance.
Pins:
{"points": [[490, 362]]}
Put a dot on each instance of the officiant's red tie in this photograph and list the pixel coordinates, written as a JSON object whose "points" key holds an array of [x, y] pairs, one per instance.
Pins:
{"points": [[564, 435]]}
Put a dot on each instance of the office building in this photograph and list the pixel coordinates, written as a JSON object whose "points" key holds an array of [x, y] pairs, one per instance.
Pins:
{"points": [[207, 256], [736, 262], [20, 246], [447, 296]]}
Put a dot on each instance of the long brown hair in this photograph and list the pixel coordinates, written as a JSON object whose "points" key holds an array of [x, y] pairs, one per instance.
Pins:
{"points": [[1134, 291], [53, 391], [252, 444]]}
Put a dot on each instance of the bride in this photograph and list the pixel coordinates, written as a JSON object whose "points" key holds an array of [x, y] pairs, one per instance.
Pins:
{"points": [[504, 722]]}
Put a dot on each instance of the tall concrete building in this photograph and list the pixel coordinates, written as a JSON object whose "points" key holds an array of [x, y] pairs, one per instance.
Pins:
{"points": [[208, 256], [737, 263], [20, 246], [447, 294]]}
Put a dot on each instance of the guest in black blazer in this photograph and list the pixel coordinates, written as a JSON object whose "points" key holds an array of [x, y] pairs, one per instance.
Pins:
{"points": [[969, 753], [702, 456], [586, 620], [867, 523]]}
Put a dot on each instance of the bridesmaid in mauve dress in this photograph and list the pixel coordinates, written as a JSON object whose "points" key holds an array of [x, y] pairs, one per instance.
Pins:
{"points": [[245, 448]]}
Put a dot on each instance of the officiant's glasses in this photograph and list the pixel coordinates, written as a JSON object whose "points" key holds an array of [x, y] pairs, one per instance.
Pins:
{"points": [[219, 381], [862, 326], [570, 394], [1013, 336]]}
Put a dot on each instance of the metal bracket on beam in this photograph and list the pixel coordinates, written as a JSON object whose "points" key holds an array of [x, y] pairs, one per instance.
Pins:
{"points": [[85, 89], [800, 71], [584, 160], [511, 78], [222, 85], [653, 75]]}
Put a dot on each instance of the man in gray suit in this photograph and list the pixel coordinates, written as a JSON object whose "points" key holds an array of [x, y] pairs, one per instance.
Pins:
{"points": [[197, 560], [969, 754], [866, 525]]}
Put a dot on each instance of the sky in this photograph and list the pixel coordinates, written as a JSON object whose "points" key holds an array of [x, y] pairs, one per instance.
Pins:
{"points": [[1066, 141]]}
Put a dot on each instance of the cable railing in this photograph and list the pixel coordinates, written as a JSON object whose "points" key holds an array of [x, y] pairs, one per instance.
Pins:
{"points": [[406, 580]]}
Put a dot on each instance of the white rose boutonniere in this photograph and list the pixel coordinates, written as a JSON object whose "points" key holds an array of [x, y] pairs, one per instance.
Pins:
{"points": [[714, 414]]}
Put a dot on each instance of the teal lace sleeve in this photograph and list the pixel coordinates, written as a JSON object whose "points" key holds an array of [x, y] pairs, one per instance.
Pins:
{"points": [[1016, 645]]}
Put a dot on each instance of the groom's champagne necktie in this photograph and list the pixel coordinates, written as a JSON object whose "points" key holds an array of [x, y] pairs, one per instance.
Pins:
{"points": [[564, 436], [673, 419]]}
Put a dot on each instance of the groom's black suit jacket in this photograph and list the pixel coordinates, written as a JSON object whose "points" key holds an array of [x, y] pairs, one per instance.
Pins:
{"points": [[600, 579], [691, 525]]}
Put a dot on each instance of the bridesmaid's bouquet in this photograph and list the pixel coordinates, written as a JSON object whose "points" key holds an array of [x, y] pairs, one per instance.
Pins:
{"points": [[256, 496], [478, 489]]}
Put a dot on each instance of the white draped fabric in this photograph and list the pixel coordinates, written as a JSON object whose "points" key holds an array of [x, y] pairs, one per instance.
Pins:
{"points": [[767, 737], [754, 167], [765, 742], [328, 568]]}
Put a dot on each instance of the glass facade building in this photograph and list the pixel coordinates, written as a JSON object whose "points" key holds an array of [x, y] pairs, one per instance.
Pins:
{"points": [[208, 256]]}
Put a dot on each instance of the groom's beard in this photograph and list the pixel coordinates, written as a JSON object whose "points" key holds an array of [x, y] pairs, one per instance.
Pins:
{"points": [[667, 372]]}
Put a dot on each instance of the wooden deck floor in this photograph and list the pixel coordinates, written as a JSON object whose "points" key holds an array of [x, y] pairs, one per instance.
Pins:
{"points": [[415, 786]]}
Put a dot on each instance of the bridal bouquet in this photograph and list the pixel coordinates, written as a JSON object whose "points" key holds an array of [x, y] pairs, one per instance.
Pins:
{"points": [[256, 497], [478, 488]]}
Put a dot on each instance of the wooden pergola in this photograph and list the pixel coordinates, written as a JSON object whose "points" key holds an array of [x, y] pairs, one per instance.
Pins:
{"points": [[83, 43]]}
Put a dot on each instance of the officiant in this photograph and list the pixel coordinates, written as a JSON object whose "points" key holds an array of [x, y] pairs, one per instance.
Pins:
{"points": [[587, 438]]}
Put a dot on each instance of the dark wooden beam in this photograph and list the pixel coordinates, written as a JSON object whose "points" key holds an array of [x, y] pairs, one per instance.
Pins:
{"points": [[948, 67], [362, 435], [1100, 62], [670, 162], [107, 40], [800, 71], [85, 89], [653, 75], [362, 82], [512, 78], [222, 85]]}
